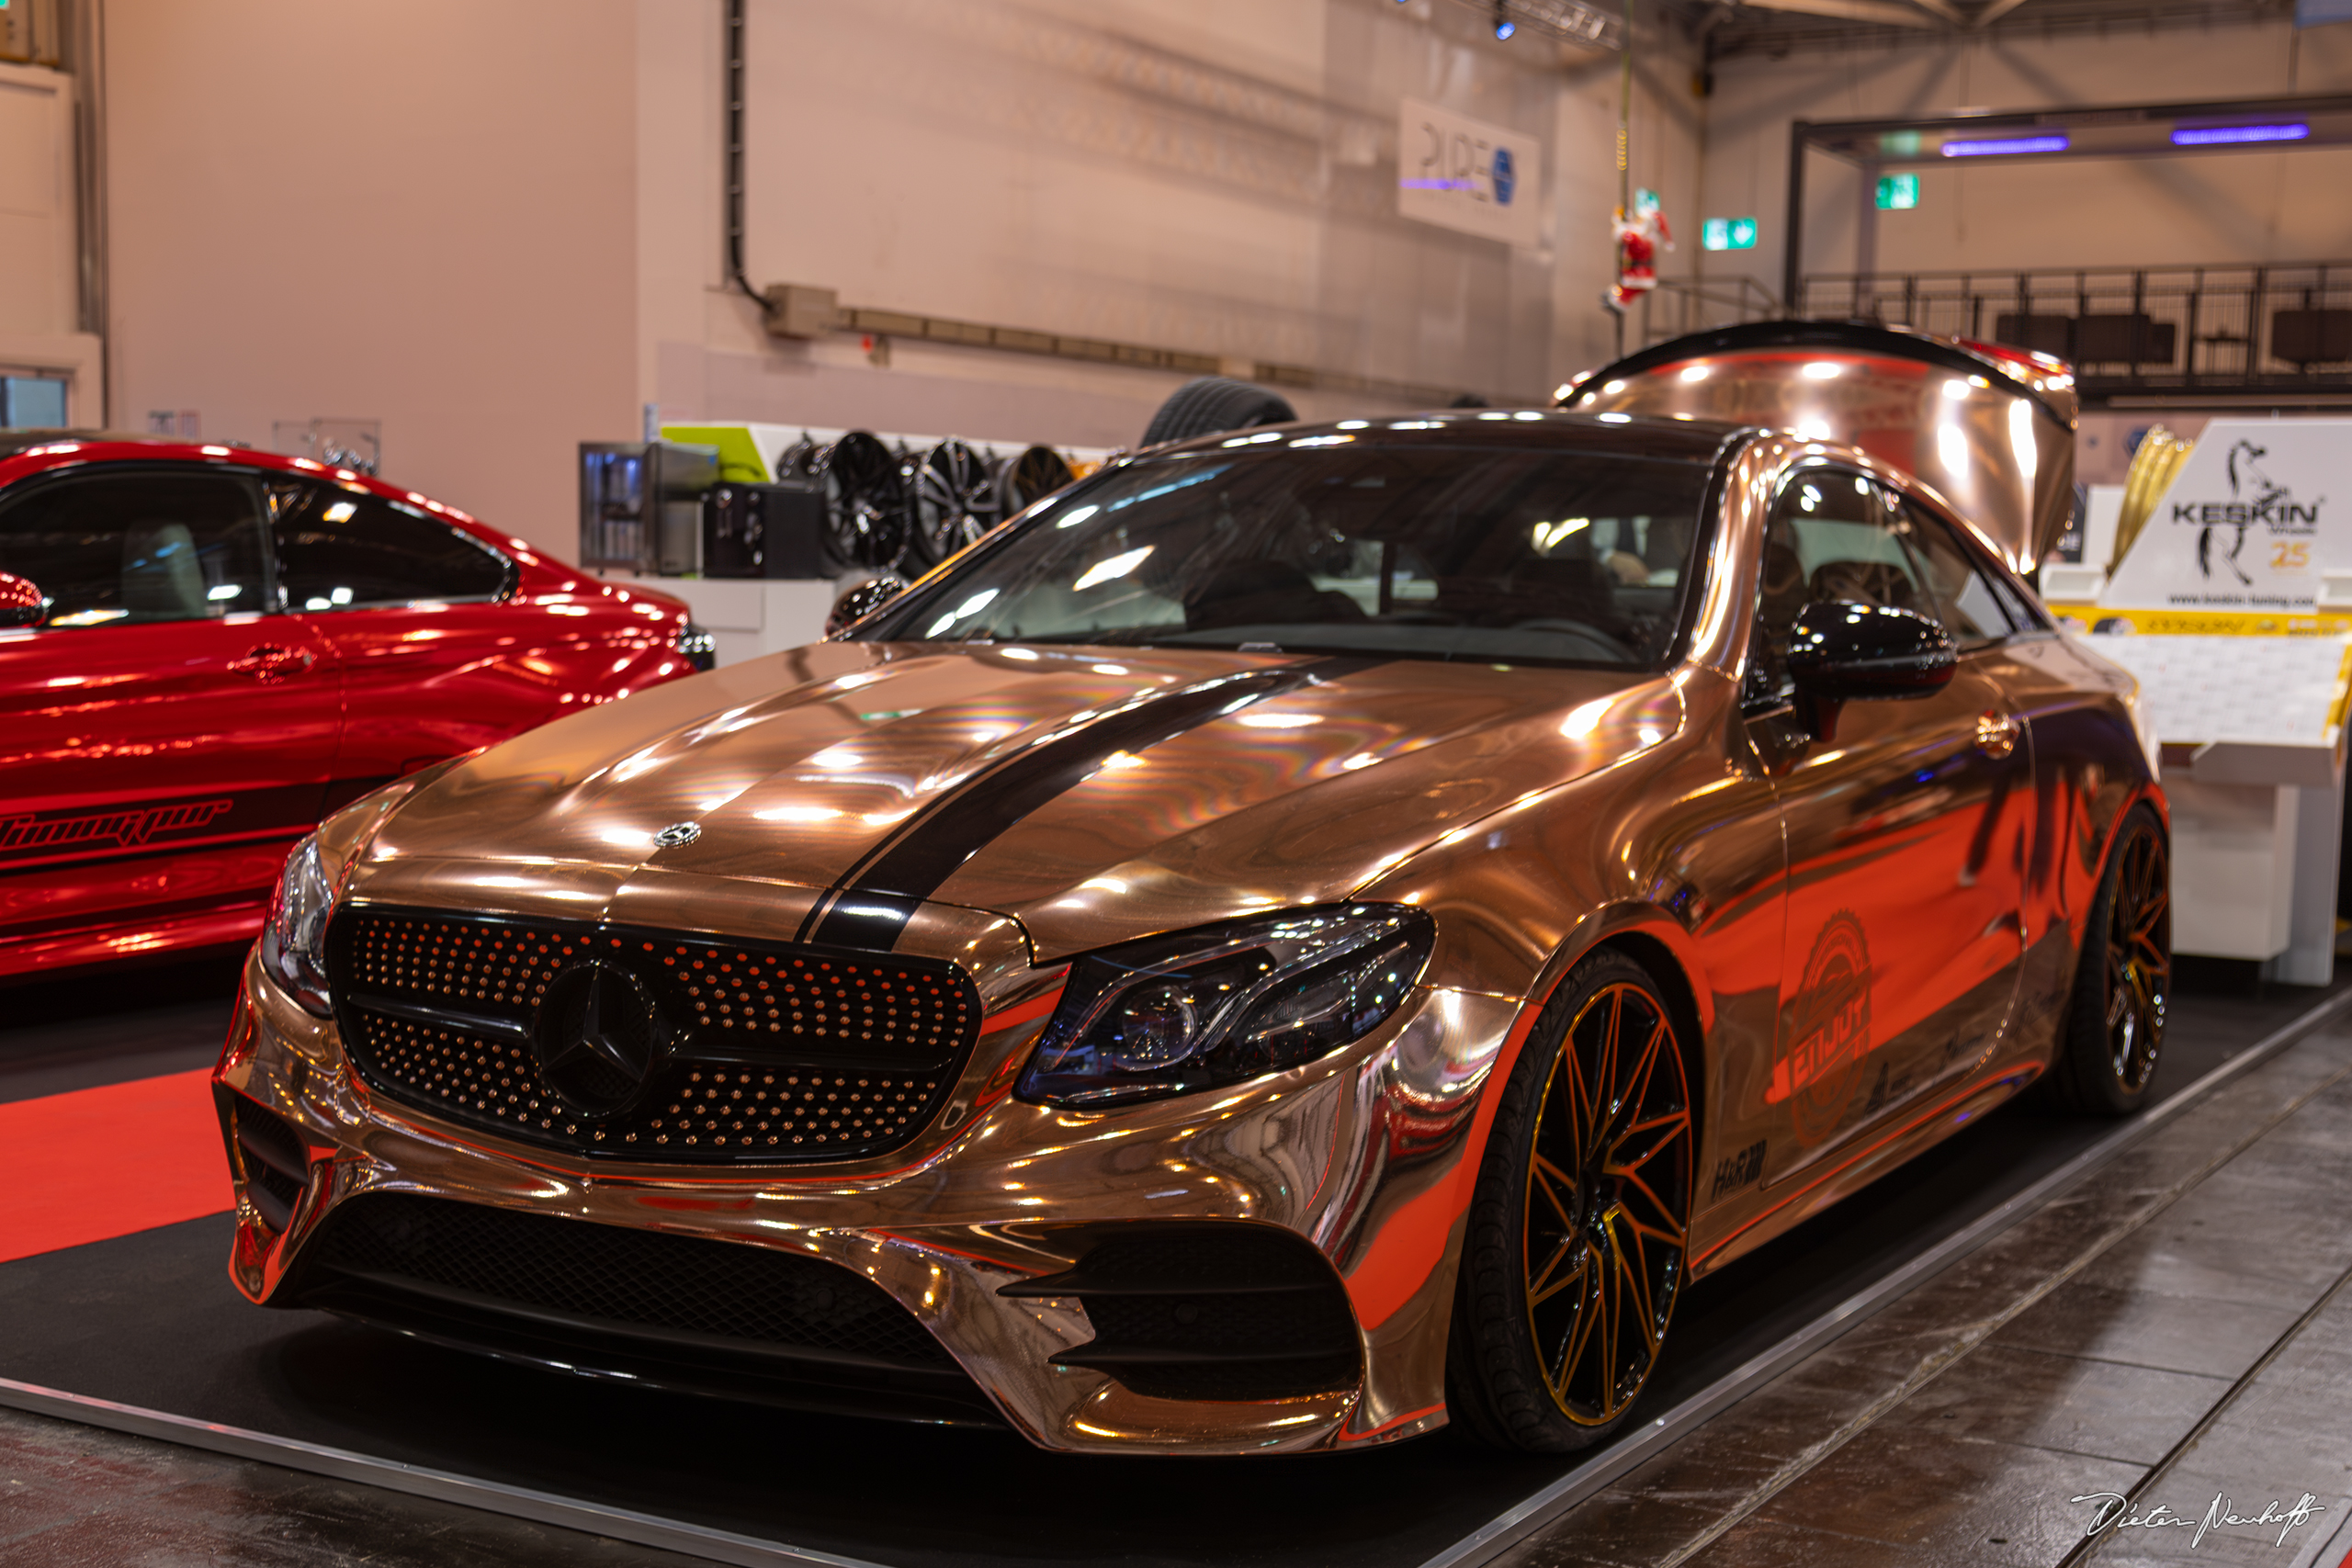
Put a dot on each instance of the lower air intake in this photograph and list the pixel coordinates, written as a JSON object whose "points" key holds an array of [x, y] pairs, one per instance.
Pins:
{"points": [[686, 1312], [1219, 1311]]}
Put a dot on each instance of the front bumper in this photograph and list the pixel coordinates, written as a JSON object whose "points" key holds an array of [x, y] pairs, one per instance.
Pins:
{"points": [[1368, 1155]]}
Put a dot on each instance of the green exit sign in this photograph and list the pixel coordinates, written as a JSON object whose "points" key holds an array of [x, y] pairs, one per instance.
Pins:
{"points": [[1728, 233], [1897, 192]]}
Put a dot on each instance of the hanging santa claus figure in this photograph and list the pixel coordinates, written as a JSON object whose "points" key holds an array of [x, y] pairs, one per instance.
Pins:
{"points": [[1638, 240]]}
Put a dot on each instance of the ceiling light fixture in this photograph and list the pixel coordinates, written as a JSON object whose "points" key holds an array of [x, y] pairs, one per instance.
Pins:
{"points": [[2000, 146], [2228, 135]]}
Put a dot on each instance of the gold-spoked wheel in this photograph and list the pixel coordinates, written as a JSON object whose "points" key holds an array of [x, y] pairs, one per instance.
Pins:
{"points": [[2139, 957], [2115, 1019], [1577, 1235], [1608, 1203]]}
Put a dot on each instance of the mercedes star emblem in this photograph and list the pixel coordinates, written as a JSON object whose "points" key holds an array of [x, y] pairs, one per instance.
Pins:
{"points": [[678, 833], [599, 1038]]}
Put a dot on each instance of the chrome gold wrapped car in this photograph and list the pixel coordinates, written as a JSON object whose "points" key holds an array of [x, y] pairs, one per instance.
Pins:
{"points": [[1298, 937]]}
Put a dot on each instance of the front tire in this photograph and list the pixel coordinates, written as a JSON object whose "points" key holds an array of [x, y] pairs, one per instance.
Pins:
{"points": [[1578, 1231], [2115, 1024]]}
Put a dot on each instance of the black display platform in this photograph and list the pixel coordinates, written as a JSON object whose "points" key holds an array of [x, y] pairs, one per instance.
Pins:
{"points": [[149, 1321]]}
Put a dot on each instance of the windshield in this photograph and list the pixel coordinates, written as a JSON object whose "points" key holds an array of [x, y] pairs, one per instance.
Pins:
{"points": [[1493, 554]]}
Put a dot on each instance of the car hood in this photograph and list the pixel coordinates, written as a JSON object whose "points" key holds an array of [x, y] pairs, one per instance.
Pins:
{"points": [[1093, 794]]}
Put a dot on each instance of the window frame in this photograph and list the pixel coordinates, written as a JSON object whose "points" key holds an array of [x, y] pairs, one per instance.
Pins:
{"points": [[73, 474], [2012, 591]]}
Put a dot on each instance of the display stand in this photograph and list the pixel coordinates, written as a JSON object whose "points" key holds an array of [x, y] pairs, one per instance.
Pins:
{"points": [[749, 617], [2228, 604], [2252, 747]]}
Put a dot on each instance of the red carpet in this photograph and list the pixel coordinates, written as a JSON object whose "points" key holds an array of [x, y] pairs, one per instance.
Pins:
{"points": [[104, 1162]]}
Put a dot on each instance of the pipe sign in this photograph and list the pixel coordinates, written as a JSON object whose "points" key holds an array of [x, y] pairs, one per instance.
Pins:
{"points": [[1468, 176]]}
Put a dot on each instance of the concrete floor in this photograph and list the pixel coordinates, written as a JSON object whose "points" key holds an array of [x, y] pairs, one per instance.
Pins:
{"points": [[72, 1496], [2171, 1327]]}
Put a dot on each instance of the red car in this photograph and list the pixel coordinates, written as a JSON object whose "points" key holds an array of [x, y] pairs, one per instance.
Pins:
{"points": [[204, 649]]}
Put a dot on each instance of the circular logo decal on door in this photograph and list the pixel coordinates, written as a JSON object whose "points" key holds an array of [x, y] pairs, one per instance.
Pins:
{"points": [[1820, 1056]]}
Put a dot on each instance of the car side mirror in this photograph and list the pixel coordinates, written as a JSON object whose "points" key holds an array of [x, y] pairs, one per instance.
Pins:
{"points": [[1842, 653], [20, 602], [861, 599]]}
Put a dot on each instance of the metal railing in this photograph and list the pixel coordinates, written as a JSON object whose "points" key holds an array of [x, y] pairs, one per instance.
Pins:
{"points": [[1680, 305], [2157, 329]]}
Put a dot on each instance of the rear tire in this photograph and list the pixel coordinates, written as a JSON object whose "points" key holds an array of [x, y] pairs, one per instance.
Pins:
{"points": [[2115, 1023], [1212, 403], [1576, 1247]]}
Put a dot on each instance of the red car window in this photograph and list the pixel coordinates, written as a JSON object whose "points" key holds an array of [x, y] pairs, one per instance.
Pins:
{"points": [[345, 549], [139, 545]]}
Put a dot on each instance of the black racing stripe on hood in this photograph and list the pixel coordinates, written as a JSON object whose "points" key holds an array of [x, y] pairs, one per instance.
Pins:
{"points": [[880, 894]]}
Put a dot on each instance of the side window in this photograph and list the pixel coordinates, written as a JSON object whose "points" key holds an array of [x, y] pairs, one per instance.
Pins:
{"points": [[1831, 537], [144, 545], [1966, 600], [341, 550]]}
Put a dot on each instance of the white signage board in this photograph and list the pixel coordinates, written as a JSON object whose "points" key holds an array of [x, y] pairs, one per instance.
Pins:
{"points": [[2260, 506], [1466, 175]]}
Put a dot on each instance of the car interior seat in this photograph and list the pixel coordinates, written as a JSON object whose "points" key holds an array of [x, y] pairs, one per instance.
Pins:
{"points": [[1883, 583], [1254, 592], [162, 579], [1560, 588]]}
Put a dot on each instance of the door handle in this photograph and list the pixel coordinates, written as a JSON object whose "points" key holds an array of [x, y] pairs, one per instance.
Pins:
{"points": [[271, 662], [1997, 733]]}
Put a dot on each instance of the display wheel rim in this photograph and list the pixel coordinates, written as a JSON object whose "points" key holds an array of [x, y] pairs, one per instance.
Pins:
{"points": [[1031, 475], [2139, 960], [865, 502], [1606, 1224], [955, 496]]}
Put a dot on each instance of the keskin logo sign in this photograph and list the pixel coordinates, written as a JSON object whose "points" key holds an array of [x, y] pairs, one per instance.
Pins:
{"points": [[1465, 174], [2258, 509]]}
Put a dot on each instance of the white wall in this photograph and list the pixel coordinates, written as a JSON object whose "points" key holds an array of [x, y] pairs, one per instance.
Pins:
{"points": [[498, 228], [420, 213], [2207, 207], [36, 279], [1215, 177]]}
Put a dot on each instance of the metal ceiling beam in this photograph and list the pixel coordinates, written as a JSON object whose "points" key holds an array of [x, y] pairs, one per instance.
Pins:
{"points": [[1883, 11], [1995, 11]]}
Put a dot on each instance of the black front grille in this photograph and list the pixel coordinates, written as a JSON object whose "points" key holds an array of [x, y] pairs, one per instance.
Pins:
{"points": [[770, 1051], [613, 1278], [1215, 1312]]}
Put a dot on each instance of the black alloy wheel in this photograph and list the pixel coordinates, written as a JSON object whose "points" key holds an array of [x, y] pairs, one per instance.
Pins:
{"points": [[956, 501], [1029, 477], [866, 521], [2115, 1025], [1579, 1231]]}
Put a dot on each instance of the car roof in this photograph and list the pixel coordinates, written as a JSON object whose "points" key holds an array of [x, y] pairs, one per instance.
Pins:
{"points": [[107, 447], [1615, 434], [14, 441]]}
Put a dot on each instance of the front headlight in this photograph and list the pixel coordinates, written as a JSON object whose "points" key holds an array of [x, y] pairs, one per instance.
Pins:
{"points": [[293, 941], [697, 646], [1175, 1014]]}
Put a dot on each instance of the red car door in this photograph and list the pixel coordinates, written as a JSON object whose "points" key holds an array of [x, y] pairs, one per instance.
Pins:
{"points": [[434, 662], [164, 732]]}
